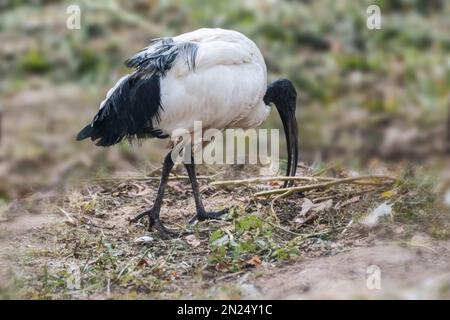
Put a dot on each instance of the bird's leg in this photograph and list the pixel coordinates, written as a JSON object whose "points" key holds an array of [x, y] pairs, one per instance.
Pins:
{"points": [[201, 214], [153, 213]]}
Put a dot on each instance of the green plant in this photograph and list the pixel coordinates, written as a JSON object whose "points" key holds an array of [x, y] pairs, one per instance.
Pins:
{"points": [[34, 61]]}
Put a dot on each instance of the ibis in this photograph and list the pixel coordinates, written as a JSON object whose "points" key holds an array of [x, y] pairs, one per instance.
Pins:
{"points": [[215, 76]]}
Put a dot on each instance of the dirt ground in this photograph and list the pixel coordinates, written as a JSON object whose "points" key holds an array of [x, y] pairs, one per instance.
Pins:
{"points": [[36, 249], [419, 270], [407, 272]]}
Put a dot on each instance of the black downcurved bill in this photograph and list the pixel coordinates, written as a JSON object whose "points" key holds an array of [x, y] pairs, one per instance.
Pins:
{"points": [[291, 132]]}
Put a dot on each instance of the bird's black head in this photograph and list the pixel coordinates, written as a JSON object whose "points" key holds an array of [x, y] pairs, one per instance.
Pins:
{"points": [[283, 94]]}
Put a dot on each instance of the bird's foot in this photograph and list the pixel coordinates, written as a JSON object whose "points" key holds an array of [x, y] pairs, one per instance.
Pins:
{"points": [[148, 213], [208, 215], [163, 231], [154, 222]]}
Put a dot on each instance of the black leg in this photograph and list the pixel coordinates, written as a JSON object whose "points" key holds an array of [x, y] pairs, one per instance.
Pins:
{"points": [[153, 213], [201, 214]]}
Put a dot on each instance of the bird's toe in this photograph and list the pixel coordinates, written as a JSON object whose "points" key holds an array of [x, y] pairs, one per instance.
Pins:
{"points": [[209, 215], [140, 216], [163, 231]]}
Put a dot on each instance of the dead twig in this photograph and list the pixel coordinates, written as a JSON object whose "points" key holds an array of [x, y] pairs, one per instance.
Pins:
{"points": [[146, 178], [284, 229], [347, 226], [230, 275], [302, 237], [272, 209], [67, 215], [352, 180], [265, 179], [296, 178]]}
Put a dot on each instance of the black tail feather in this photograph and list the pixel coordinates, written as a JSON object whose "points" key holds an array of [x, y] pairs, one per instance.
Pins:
{"points": [[85, 133], [134, 107], [129, 112]]}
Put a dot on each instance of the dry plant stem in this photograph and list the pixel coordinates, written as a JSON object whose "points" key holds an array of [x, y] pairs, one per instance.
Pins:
{"points": [[302, 178], [149, 178], [287, 191], [227, 276], [265, 179], [284, 229], [347, 226], [67, 215], [272, 209], [301, 237], [352, 194]]}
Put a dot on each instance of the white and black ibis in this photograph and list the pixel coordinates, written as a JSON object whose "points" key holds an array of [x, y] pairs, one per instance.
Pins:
{"points": [[215, 76]]}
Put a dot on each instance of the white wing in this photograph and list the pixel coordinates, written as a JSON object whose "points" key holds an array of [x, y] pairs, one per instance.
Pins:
{"points": [[225, 89]]}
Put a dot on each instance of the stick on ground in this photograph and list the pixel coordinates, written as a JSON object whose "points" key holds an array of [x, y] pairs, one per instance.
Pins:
{"points": [[353, 180]]}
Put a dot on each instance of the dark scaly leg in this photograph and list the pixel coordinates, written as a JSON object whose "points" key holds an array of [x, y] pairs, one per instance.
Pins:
{"points": [[153, 213], [201, 214]]}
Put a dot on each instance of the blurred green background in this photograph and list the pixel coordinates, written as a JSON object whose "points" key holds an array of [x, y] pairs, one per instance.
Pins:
{"points": [[366, 96]]}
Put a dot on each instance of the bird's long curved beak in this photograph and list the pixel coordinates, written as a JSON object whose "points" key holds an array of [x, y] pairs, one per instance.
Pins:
{"points": [[291, 131]]}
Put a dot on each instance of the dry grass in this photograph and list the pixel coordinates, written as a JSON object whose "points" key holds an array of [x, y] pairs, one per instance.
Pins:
{"points": [[95, 239]]}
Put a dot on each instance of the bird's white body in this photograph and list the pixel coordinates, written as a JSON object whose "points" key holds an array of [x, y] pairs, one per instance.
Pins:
{"points": [[224, 90], [215, 76]]}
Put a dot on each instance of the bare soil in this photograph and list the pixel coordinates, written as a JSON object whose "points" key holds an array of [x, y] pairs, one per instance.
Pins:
{"points": [[407, 272], [36, 250]]}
